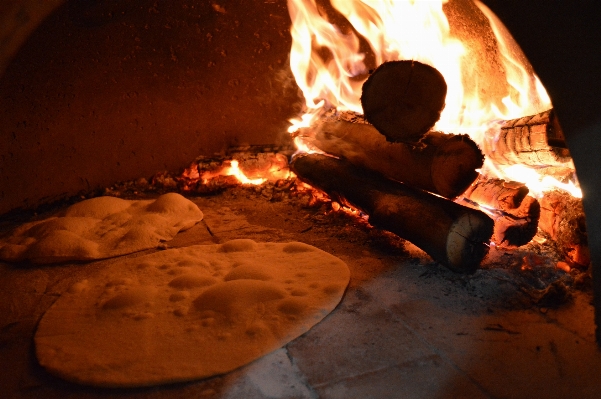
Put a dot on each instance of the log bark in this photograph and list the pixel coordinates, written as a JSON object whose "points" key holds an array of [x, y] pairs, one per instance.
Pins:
{"points": [[404, 99], [443, 164], [535, 140], [451, 234], [562, 218]]}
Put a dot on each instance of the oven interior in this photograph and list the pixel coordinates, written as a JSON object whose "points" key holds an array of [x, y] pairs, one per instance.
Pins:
{"points": [[122, 98]]}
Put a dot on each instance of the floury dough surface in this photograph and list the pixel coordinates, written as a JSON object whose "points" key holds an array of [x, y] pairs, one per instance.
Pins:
{"points": [[188, 313], [101, 227]]}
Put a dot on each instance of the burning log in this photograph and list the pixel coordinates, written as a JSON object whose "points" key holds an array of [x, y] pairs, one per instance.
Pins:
{"points": [[512, 228], [404, 99], [515, 213], [562, 217], [451, 234], [519, 226], [535, 140], [443, 164], [496, 193]]}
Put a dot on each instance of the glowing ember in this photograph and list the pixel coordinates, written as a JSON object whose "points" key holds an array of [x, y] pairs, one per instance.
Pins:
{"points": [[231, 168], [246, 167], [329, 65]]}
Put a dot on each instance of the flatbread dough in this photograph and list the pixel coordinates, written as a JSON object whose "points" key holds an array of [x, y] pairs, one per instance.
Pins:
{"points": [[188, 313], [101, 227]]}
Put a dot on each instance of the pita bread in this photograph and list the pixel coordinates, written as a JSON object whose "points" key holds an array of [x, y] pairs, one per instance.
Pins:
{"points": [[100, 228], [188, 313]]}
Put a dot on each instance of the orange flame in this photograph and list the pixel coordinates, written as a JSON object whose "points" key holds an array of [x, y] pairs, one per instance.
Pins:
{"points": [[232, 170], [254, 170], [406, 29]]}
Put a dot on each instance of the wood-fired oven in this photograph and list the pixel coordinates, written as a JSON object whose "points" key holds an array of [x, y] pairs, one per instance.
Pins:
{"points": [[93, 93]]}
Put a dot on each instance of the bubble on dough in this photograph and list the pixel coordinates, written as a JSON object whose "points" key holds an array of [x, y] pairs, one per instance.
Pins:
{"points": [[297, 247], [171, 203], [191, 281], [179, 296], [79, 287], [128, 298], [247, 272], [235, 296], [293, 306], [241, 245], [56, 243]]}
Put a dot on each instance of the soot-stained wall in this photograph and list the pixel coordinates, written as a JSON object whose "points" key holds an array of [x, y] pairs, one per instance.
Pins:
{"points": [[110, 90]]}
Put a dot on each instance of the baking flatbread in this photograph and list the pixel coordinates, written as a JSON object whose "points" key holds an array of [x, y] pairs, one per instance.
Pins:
{"points": [[101, 227], [188, 313]]}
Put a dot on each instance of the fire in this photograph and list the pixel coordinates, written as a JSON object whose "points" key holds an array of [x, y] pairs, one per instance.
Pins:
{"points": [[539, 184], [232, 169], [245, 168], [390, 29], [330, 64]]}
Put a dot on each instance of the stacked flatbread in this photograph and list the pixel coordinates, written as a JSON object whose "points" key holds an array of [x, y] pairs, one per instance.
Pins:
{"points": [[188, 313], [100, 228]]}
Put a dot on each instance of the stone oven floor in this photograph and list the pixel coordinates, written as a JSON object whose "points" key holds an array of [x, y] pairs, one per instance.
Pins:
{"points": [[406, 327]]}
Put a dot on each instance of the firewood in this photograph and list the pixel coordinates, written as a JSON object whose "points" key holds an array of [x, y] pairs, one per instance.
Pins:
{"points": [[454, 235], [535, 140], [496, 193], [515, 213], [513, 227], [517, 227], [443, 164], [404, 99], [562, 218]]}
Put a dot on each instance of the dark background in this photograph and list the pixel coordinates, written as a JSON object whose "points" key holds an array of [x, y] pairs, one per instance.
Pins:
{"points": [[562, 40]]}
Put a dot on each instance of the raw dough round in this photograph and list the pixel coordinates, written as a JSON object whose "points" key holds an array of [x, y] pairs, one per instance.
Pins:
{"points": [[101, 227], [188, 313]]}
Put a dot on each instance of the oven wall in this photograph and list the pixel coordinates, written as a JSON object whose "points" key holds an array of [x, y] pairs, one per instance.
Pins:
{"points": [[106, 91], [17, 20]]}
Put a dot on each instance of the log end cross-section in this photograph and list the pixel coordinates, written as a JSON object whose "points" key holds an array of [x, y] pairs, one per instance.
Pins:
{"points": [[404, 99], [466, 242]]}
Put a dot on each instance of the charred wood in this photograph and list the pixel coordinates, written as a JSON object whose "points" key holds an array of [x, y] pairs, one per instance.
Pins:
{"points": [[562, 218], [454, 235], [443, 164], [515, 213], [496, 193], [513, 228], [517, 227], [535, 140], [404, 99]]}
